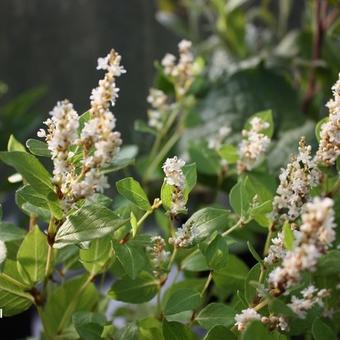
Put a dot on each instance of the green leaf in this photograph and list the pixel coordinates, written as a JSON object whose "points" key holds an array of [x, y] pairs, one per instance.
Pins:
{"points": [[195, 262], [260, 184], [166, 195], [329, 264], [134, 224], [32, 255], [190, 174], [132, 190], [318, 127], [140, 290], [13, 298], [31, 169], [217, 253], [206, 221], [232, 275], [218, 333], [126, 156], [229, 153], [176, 331], [250, 291], [265, 116], [89, 325], [256, 331], [182, 300], [131, 258], [321, 331], [216, 314], [207, 160], [38, 148], [288, 239], [63, 301], [10, 232], [88, 223], [15, 145], [97, 255], [240, 198]]}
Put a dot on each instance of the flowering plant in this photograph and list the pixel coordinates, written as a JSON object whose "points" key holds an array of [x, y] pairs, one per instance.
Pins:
{"points": [[180, 276]]}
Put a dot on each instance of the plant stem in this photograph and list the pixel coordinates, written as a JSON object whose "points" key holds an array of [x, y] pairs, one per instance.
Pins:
{"points": [[44, 325], [206, 285], [238, 224], [72, 305], [262, 304], [33, 222], [172, 259], [162, 153]]}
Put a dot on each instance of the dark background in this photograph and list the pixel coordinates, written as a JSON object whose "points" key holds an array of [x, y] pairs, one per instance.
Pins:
{"points": [[56, 43]]}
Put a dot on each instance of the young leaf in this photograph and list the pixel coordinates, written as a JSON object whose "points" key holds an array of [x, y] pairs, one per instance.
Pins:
{"points": [[132, 190], [32, 255], [166, 195], [126, 156], [38, 147], [216, 253], [288, 234], [134, 224], [182, 300], [15, 145], [140, 290], [88, 223], [216, 314], [131, 258], [255, 254], [31, 169], [249, 290]]}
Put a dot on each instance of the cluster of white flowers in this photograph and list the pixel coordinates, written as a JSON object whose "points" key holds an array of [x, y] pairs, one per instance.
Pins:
{"points": [[316, 235], [311, 296], [159, 108], [215, 142], [174, 176], [61, 135], [159, 255], [184, 236], [253, 145], [182, 73], [329, 147], [245, 317], [276, 250], [3, 251], [275, 322], [97, 140], [295, 182]]}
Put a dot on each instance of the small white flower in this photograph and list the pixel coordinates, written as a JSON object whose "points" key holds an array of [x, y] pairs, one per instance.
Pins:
{"points": [[246, 316], [3, 251], [253, 145]]}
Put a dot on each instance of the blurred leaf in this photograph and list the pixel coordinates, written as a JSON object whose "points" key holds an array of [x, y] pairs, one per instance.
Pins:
{"points": [[176, 331], [216, 253], [321, 331], [10, 232], [15, 145], [218, 333], [288, 234]]}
